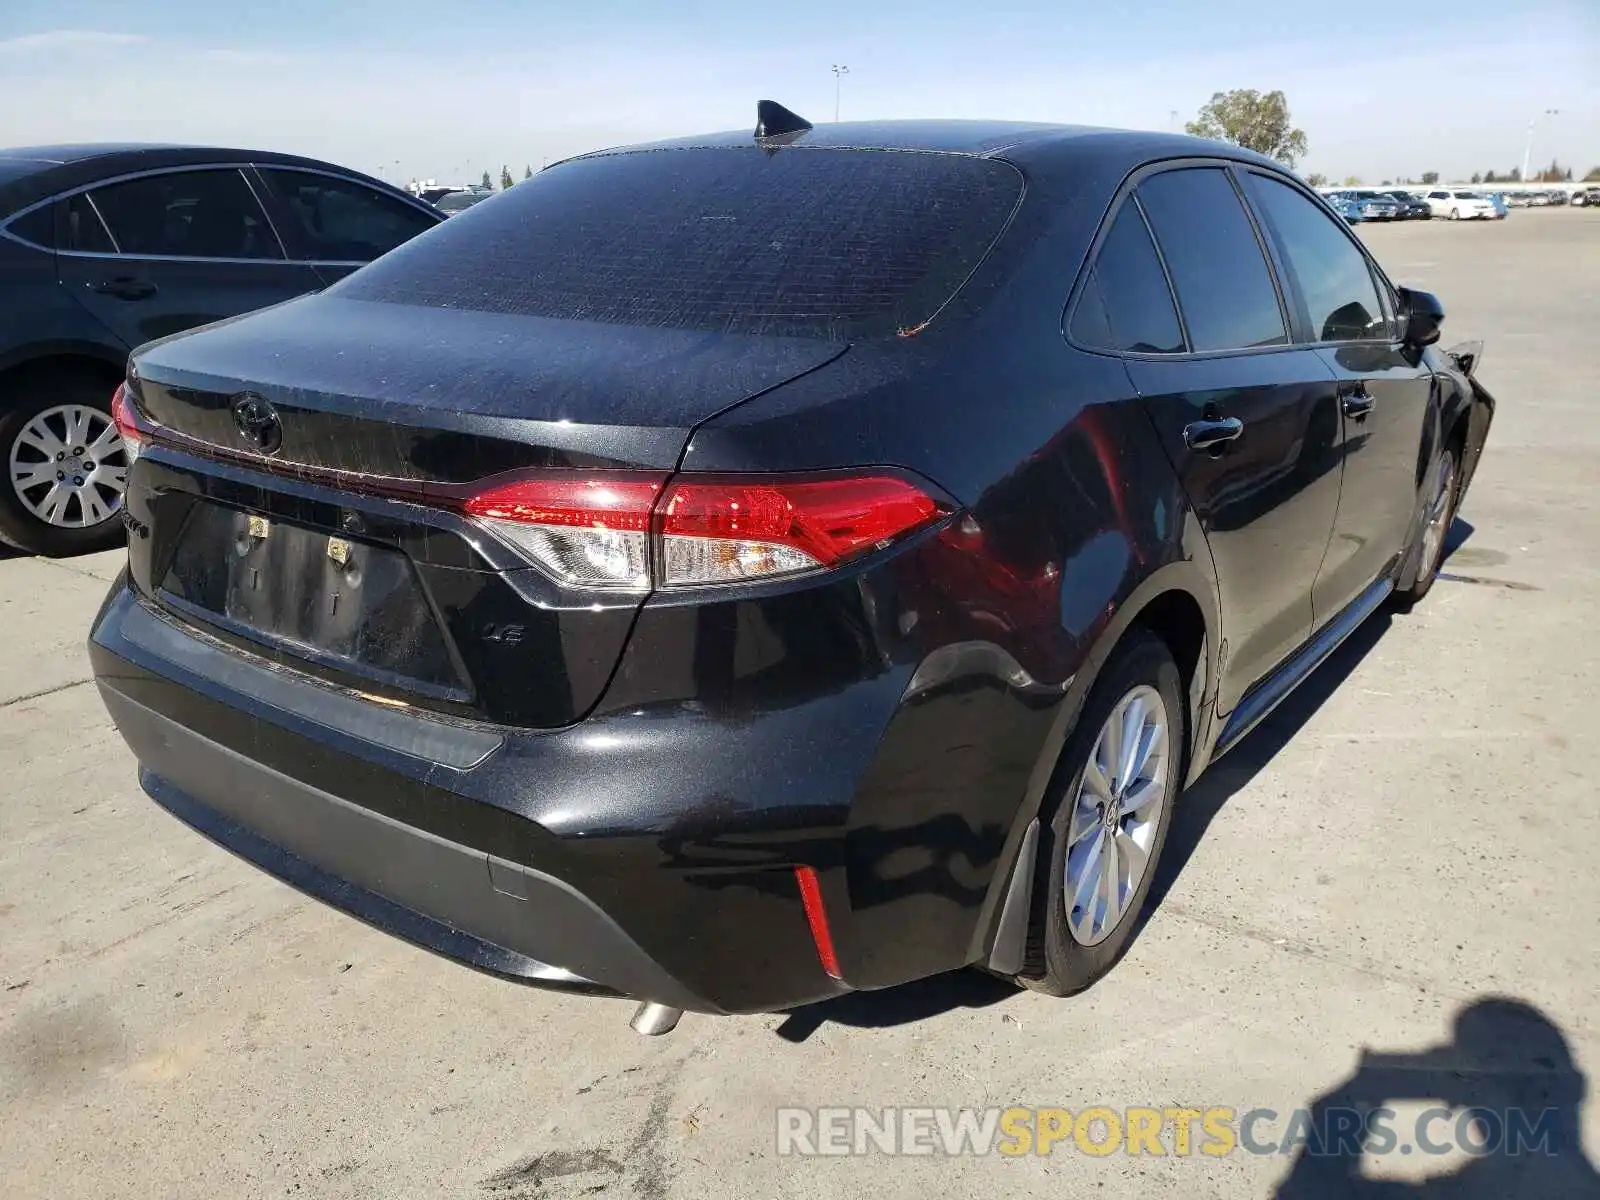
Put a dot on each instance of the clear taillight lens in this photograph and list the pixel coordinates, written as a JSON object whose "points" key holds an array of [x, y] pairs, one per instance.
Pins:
{"points": [[583, 532], [128, 427], [630, 534]]}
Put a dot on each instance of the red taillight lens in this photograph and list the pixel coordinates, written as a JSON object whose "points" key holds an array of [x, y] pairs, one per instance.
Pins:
{"points": [[715, 532], [596, 532], [128, 427], [585, 532]]}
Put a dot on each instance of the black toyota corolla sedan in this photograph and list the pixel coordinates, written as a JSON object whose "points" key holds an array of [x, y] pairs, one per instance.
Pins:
{"points": [[731, 572]]}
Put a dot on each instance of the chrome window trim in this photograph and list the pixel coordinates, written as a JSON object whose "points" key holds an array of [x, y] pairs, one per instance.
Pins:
{"points": [[105, 226], [244, 168], [266, 213]]}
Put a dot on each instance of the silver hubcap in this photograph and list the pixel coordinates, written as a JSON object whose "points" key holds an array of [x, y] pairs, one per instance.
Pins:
{"points": [[1116, 814], [68, 468], [1438, 514]]}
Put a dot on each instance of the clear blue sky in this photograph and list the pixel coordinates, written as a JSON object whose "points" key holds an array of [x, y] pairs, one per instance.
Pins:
{"points": [[413, 88]]}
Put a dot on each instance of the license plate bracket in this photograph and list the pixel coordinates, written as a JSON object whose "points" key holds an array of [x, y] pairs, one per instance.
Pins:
{"points": [[350, 605]]}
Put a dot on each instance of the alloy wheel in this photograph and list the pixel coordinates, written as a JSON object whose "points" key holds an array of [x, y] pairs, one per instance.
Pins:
{"points": [[68, 468], [1438, 514], [1116, 815]]}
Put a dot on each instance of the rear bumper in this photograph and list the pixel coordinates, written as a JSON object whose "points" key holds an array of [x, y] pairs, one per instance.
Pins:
{"points": [[420, 828], [500, 917]]}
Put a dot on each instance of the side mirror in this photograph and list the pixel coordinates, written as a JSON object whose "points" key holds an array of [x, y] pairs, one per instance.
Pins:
{"points": [[1421, 315]]}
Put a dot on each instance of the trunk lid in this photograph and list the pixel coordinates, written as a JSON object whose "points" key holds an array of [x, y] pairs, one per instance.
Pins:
{"points": [[447, 395], [336, 546]]}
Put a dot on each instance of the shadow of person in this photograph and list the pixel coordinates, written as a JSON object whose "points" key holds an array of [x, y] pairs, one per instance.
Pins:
{"points": [[1513, 1093]]}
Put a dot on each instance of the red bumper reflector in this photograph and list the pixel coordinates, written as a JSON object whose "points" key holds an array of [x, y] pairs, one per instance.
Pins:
{"points": [[817, 918]]}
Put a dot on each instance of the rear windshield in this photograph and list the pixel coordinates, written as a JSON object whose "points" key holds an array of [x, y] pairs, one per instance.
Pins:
{"points": [[842, 244], [1468, 196]]}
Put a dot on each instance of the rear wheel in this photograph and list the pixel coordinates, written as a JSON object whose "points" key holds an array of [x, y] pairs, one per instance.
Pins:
{"points": [[1119, 777], [1455, 214], [65, 468]]}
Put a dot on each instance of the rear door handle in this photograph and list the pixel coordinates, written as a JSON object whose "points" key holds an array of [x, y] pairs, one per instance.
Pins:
{"points": [[1211, 432], [1357, 405], [125, 287]]}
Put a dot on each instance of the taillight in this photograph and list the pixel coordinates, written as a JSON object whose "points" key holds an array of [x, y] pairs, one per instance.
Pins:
{"points": [[600, 532], [726, 532], [585, 532], [128, 427]]}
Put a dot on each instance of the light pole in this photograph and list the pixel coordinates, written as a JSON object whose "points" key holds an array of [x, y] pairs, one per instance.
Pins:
{"points": [[838, 78], [1527, 151]]}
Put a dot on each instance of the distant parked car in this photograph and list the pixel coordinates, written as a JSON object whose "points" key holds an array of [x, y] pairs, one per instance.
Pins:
{"points": [[459, 202], [1346, 208], [1588, 198], [1558, 198], [1538, 199], [1460, 206], [1517, 199], [104, 248], [1411, 208], [1373, 206]]}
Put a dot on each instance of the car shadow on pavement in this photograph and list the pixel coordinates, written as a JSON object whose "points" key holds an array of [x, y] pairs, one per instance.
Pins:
{"points": [[1504, 1093], [916, 1001], [1198, 806]]}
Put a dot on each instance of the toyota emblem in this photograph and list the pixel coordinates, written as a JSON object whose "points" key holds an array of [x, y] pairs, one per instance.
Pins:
{"points": [[257, 422]]}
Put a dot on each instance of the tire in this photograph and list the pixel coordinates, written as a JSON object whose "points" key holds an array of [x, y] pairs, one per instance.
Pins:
{"points": [[1071, 946], [1455, 214], [1445, 474], [61, 516]]}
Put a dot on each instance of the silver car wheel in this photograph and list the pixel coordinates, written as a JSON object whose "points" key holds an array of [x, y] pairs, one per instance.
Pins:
{"points": [[1444, 482], [1116, 815], [68, 468]]}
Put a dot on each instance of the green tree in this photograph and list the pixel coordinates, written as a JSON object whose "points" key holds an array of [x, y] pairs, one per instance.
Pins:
{"points": [[1593, 176], [1476, 178], [527, 171], [1352, 181], [1247, 118], [505, 178], [1387, 183], [1488, 177], [486, 182], [1317, 180], [1430, 177]]}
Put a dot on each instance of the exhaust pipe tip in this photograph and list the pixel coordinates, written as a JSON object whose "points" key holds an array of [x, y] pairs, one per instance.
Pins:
{"points": [[652, 1019]]}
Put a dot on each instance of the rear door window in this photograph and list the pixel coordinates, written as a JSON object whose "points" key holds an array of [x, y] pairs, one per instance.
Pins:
{"points": [[1224, 286], [1126, 304], [814, 242], [188, 214], [80, 229], [341, 220], [1331, 275]]}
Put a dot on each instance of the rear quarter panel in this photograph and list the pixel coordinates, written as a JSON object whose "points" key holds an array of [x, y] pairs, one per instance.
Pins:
{"points": [[1070, 520]]}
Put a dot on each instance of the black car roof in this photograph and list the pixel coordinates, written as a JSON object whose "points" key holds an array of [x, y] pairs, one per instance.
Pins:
{"points": [[1028, 144], [29, 174]]}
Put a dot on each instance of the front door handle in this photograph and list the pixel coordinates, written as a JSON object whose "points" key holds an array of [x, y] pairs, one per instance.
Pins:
{"points": [[1211, 433], [1357, 405], [125, 287]]}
